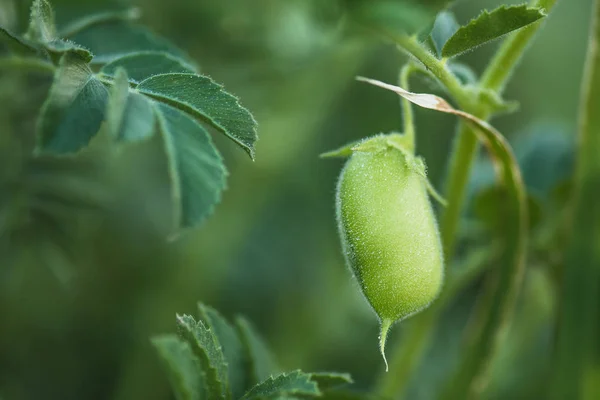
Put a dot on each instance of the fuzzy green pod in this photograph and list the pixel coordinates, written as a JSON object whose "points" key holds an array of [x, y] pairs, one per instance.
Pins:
{"points": [[388, 229]]}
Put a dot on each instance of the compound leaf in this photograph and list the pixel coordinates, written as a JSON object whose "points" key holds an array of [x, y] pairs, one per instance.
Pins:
{"points": [[489, 26], [182, 367], [202, 97]]}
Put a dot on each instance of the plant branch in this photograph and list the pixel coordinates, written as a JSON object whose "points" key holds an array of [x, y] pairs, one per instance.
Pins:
{"points": [[465, 149], [437, 68], [410, 351]]}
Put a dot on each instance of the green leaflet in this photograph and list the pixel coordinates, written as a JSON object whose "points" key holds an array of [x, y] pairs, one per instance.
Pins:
{"points": [[130, 115], [112, 39], [293, 383], [143, 65], [489, 26], [232, 348], [202, 97], [196, 168], [182, 367], [444, 27], [74, 109], [330, 380], [261, 362], [42, 27], [207, 349]]}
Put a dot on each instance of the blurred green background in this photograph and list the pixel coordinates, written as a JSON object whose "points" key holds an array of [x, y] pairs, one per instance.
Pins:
{"points": [[77, 326]]}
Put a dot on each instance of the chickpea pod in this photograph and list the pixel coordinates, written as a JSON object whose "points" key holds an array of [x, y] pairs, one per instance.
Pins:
{"points": [[388, 229]]}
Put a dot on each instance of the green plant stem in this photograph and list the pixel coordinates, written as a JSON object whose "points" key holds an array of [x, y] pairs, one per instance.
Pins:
{"points": [[577, 353], [26, 63], [437, 68], [494, 78], [498, 72], [407, 108]]}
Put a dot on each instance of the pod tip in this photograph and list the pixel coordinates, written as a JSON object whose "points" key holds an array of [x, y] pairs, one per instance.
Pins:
{"points": [[385, 328]]}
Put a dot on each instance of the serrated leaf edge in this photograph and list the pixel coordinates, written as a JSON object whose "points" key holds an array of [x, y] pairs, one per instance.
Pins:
{"points": [[486, 13], [190, 109]]}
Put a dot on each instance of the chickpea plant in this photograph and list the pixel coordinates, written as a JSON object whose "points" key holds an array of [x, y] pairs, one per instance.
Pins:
{"points": [[113, 84]]}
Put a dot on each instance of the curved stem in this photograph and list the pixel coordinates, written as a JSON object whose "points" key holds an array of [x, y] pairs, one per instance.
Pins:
{"points": [[495, 77], [407, 108]]}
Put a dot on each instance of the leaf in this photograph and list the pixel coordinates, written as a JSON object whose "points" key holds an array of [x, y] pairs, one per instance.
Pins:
{"points": [[89, 21], [489, 26], [294, 383], [114, 39], [130, 115], [182, 367], [463, 72], [16, 43], [205, 346], [196, 167], [261, 363], [57, 48], [202, 97], [74, 109], [42, 27], [143, 65], [342, 152], [493, 315], [329, 380], [444, 27], [231, 345]]}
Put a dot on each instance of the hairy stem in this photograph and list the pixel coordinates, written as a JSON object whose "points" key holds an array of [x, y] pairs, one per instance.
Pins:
{"points": [[494, 78], [437, 68], [407, 108]]}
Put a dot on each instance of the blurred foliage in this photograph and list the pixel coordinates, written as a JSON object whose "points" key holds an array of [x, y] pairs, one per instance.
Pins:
{"points": [[78, 327]]}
